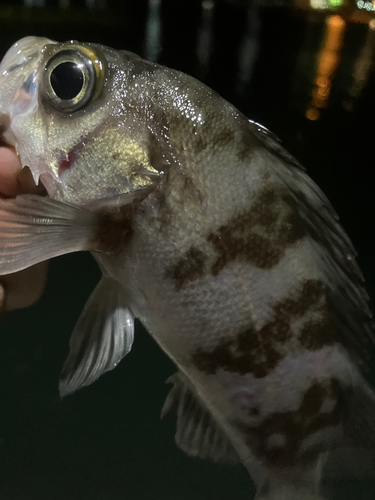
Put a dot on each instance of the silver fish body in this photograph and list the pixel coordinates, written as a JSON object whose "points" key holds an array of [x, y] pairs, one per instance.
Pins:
{"points": [[214, 237]]}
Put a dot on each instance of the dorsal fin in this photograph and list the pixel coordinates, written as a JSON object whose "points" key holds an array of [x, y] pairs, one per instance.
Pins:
{"points": [[198, 434], [272, 143]]}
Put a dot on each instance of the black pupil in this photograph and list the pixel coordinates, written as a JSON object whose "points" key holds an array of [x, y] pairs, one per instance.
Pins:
{"points": [[67, 80]]}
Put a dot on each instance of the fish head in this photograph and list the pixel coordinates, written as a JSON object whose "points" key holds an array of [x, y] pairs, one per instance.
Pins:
{"points": [[75, 114]]}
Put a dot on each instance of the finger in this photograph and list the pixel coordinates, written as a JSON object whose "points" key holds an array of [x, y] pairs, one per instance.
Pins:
{"points": [[10, 166], [13, 178], [22, 289], [2, 298]]}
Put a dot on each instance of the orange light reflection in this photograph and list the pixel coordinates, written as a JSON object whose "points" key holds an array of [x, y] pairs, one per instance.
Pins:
{"points": [[328, 61], [313, 114]]}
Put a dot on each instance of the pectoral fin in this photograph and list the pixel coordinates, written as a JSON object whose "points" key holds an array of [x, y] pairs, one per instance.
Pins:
{"points": [[35, 228], [102, 336], [198, 434]]}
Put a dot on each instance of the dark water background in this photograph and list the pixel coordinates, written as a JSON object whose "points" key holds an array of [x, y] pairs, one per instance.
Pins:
{"points": [[308, 77]]}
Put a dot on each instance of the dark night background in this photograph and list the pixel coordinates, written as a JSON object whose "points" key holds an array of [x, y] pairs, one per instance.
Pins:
{"points": [[308, 76]]}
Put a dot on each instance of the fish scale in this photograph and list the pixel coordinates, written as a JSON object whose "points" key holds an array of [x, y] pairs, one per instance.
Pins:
{"points": [[211, 234]]}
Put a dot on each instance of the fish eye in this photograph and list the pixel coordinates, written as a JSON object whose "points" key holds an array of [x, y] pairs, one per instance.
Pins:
{"points": [[73, 77], [67, 80]]}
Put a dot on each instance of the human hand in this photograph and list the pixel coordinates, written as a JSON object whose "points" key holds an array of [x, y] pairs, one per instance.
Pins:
{"points": [[20, 289]]}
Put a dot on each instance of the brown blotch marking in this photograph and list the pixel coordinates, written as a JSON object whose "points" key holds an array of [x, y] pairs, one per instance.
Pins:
{"points": [[307, 225], [174, 182], [295, 426], [294, 229], [188, 268], [195, 136], [200, 143], [201, 140], [159, 120], [311, 293], [114, 228], [254, 411], [254, 248], [258, 352], [314, 336], [312, 400], [222, 357], [165, 211], [239, 240], [251, 352], [223, 138], [262, 211], [247, 144], [192, 189]]}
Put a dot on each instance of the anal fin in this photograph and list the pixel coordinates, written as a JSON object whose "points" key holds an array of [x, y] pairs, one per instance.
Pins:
{"points": [[102, 336], [198, 434]]}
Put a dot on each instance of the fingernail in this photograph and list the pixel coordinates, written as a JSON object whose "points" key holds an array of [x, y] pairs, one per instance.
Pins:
{"points": [[2, 298]]}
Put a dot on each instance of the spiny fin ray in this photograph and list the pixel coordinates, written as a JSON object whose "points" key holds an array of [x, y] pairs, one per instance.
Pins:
{"points": [[198, 434]]}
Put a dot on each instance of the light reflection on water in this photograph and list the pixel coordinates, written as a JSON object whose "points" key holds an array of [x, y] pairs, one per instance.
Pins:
{"points": [[328, 60], [153, 31], [362, 67], [322, 61], [205, 36]]}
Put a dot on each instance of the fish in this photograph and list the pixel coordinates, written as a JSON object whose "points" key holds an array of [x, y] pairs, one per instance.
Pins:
{"points": [[211, 234]]}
